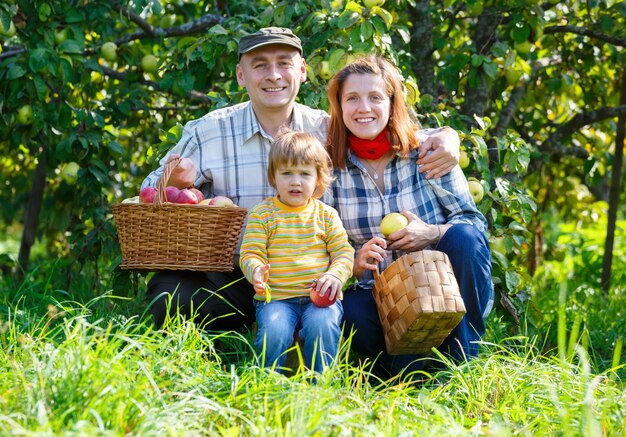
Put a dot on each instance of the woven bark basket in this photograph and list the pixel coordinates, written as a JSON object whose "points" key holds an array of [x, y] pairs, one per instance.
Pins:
{"points": [[170, 236], [419, 302]]}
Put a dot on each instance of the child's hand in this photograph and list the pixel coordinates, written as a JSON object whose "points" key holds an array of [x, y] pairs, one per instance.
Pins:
{"points": [[260, 276], [330, 284]]}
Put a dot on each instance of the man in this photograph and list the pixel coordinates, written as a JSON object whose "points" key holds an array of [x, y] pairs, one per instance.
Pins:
{"points": [[225, 153]]}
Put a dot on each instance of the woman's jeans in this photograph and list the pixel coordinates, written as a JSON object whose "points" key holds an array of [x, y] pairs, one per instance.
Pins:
{"points": [[319, 329], [468, 250]]}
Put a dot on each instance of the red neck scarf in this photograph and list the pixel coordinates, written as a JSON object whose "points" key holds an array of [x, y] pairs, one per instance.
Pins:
{"points": [[370, 149]]}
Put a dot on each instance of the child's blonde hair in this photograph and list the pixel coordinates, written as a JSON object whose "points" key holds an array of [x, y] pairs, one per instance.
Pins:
{"points": [[293, 148]]}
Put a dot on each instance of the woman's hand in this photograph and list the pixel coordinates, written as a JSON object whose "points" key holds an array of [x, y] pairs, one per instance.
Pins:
{"points": [[416, 235], [370, 254], [184, 174], [330, 284], [445, 148]]}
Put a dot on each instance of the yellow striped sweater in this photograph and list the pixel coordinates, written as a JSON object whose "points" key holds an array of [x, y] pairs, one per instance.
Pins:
{"points": [[299, 243]]}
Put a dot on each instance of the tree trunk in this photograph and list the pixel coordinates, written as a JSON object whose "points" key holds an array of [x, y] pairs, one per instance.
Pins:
{"points": [[31, 216], [477, 97], [614, 192], [422, 47]]}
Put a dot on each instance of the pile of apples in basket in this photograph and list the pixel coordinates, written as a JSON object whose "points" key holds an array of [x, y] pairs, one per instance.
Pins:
{"points": [[186, 196]]}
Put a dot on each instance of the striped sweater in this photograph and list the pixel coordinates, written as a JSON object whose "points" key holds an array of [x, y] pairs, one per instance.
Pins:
{"points": [[299, 243]]}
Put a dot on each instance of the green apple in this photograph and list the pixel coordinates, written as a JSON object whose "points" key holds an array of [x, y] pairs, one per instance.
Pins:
{"points": [[149, 63], [412, 91], [372, 3], [393, 222], [324, 70], [10, 32], [167, 20], [109, 51], [60, 36], [69, 172], [476, 9], [498, 245], [512, 76], [464, 160], [25, 114], [476, 190], [524, 47]]}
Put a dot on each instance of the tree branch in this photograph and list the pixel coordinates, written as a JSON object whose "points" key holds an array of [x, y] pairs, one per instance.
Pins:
{"points": [[585, 32], [13, 51], [192, 95], [194, 26], [554, 147], [147, 27]]}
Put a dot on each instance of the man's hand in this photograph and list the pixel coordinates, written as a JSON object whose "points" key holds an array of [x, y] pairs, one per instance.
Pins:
{"points": [[184, 174], [445, 151]]}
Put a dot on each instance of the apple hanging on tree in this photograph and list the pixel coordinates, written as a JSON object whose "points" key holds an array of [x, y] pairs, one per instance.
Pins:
{"points": [[109, 51], [69, 172], [476, 190], [149, 63]]}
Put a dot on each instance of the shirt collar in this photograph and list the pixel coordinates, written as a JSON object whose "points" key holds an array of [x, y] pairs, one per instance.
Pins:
{"points": [[250, 124]]}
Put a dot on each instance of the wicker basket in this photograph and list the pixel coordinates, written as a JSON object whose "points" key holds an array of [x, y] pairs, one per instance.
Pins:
{"points": [[418, 302], [169, 236]]}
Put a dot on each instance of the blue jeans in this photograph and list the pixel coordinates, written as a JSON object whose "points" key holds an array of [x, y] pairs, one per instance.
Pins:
{"points": [[319, 329], [468, 250]]}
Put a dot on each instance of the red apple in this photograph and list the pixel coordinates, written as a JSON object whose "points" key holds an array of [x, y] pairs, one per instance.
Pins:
{"points": [[221, 201], [147, 194], [321, 301], [198, 194], [171, 194], [187, 197]]}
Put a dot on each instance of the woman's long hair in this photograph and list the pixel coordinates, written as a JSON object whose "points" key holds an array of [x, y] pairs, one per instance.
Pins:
{"points": [[401, 125]]}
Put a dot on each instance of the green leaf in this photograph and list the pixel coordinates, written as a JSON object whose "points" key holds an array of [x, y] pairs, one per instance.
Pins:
{"points": [[73, 16], [404, 34], [15, 72], [477, 60], [115, 148], [520, 33], [490, 68], [348, 19], [38, 59], [384, 14], [218, 29], [335, 60], [43, 10], [70, 46], [512, 279], [366, 31]]}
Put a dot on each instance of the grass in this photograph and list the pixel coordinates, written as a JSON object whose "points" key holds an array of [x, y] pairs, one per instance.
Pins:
{"points": [[82, 369]]}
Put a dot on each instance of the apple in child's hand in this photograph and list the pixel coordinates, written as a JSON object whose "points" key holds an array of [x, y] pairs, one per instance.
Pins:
{"points": [[147, 194], [321, 301], [198, 194], [221, 201], [171, 194], [186, 196]]}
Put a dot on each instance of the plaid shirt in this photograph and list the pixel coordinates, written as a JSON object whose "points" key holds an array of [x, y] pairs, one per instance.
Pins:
{"points": [[361, 205], [230, 151]]}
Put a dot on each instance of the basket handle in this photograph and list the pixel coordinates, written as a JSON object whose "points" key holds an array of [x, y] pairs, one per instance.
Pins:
{"points": [[159, 199]]}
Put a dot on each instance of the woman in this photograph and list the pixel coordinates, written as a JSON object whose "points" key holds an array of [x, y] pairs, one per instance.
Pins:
{"points": [[373, 143]]}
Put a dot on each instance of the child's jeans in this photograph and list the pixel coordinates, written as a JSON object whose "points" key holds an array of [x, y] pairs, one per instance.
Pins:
{"points": [[319, 329]]}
